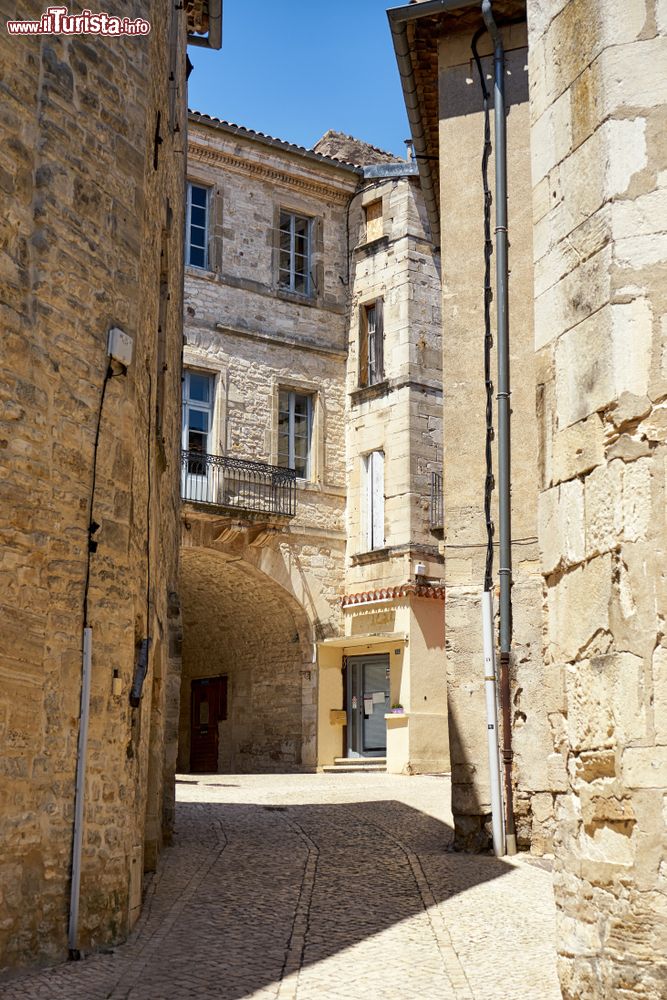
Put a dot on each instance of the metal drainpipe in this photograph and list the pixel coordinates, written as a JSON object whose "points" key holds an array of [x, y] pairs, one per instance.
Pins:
{"points": [[77, 847], [504, 473]]}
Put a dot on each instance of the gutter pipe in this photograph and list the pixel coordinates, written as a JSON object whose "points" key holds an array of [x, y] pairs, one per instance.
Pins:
{"points": [[503, 397], [73, 931], [497, 824]]}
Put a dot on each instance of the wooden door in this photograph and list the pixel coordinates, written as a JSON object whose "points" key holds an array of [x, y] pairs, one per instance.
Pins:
{"points": [[209, 707]]}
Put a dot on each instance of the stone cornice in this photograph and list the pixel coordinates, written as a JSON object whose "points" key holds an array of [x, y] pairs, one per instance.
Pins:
{"points": [[241, 165]]}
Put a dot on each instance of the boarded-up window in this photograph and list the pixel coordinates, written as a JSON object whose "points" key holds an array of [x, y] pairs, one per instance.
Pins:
{"points": [[374, 222], [371, 343], [374, 527]]}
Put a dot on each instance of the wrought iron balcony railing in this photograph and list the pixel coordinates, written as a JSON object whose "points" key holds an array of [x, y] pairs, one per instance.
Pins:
{"points": [[231, 482], [436, 509]]}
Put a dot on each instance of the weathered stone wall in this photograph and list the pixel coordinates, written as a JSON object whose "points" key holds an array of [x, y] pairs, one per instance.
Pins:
{"points": [[402, 415], [599, 155], [255, 339], [90, 236], [537, 769], [240, 624]]}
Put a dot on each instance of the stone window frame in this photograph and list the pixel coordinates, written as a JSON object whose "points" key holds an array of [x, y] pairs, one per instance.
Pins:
{"points": [[316, 249], [310, 388], [204, 365], [214, 226]]}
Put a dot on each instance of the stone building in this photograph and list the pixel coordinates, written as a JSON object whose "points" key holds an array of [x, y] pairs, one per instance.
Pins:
{"points": [[311, 305], [586, 148], [92, 174]]}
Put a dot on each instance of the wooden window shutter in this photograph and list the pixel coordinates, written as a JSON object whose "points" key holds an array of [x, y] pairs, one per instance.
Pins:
{"points": [[215, 242], [379, 339], [377, 499], [363, 347]]}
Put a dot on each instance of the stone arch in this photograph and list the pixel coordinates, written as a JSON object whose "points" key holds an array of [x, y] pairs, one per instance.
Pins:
{"points": [[240, 624]]}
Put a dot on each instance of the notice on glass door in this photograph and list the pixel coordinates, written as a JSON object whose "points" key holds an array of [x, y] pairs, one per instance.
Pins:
{"points": [[368, 704]]}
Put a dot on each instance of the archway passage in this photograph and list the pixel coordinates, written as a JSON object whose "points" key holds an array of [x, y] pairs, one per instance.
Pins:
{"points": [[247, 688]]}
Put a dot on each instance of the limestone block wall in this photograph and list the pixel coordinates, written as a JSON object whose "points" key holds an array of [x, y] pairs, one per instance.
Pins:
{"points": [[537, 768], [264, 601], [403, 415], [249, 374], [599, 154], [256, 338], [240, 624], [91, 237]]}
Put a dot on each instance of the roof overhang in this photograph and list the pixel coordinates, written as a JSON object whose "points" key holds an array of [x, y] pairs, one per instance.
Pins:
{"points": [[372, 639], [204, 19], [415, 30], [339, 166]]}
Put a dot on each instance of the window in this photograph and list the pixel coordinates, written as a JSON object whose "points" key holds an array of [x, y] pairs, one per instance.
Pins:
{"points": [[197, 415], [295, 253], [196, 240], [295, 420], [371, 343], [374, 221], [374, 475]]}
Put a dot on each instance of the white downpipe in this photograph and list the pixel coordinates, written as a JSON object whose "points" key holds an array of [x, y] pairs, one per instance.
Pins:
{"points": [[497, 821], [80, 792]]}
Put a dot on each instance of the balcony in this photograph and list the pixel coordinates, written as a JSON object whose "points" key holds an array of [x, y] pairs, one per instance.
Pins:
{"points": [[436, 507], [234, 484]]}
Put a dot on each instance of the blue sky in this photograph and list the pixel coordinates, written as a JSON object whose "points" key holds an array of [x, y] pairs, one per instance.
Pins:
{"points": [[295, 68]]}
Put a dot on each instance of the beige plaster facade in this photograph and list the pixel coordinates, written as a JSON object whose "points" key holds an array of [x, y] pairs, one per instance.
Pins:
{"points": [[263, 590], [91, 238], [588, 455]]}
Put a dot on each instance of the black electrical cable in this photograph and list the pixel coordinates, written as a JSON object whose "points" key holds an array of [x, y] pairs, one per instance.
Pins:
{"points": [[149, 465], [92, 525], [489, 481]]}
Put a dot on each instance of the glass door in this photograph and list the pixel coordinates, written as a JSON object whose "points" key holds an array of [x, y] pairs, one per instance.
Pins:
{"points": [[367, 703]]}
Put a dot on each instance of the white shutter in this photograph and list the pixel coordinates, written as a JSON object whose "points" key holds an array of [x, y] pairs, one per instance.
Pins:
{"points": [[376, 505]]}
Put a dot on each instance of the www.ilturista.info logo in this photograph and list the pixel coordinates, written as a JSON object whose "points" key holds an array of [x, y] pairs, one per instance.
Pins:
{"points": [[58, 21]]}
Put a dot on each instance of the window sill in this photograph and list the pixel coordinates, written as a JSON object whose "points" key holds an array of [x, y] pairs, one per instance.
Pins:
{"points": [[373, 556], [200, 272], [371, 247], [297, 297], [368, 392], [315, 486]]}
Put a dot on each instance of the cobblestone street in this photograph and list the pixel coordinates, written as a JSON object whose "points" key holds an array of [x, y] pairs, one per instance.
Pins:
{"points": [[323, 886]]}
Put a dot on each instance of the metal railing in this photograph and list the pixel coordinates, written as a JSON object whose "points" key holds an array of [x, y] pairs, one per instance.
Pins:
{"points": [[231, 482], [436, 507]]}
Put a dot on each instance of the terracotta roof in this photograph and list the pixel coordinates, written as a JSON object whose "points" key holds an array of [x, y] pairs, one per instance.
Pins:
{"points": [[204, 119], [392, 593]]}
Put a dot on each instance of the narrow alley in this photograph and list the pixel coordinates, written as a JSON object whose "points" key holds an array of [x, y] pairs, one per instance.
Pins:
{"points": [[323, 886]]}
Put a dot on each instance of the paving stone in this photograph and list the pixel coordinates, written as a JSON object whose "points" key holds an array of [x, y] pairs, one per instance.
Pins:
{"points": [[348, 891]]}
